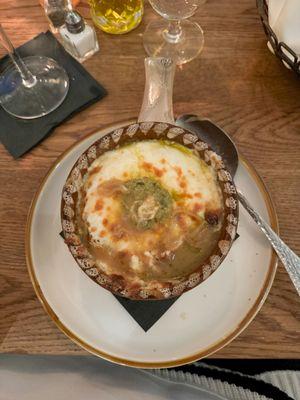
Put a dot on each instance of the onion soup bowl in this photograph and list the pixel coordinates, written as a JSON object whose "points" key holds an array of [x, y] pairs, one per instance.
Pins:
{"points": [[149, 211]]}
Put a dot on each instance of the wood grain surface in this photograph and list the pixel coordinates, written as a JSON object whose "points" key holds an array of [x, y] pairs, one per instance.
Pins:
{"points": [[237, 83]]}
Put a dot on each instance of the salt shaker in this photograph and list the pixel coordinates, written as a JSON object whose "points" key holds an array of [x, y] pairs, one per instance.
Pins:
{"points": [[78, 38], [56, 11]]}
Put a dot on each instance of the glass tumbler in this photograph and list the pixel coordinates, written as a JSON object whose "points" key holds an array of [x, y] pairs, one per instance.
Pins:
{"points": [[116, 16]]}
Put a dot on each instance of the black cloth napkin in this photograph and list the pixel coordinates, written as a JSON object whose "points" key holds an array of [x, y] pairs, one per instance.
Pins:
{"points": [[19, 135], [146, 313]]}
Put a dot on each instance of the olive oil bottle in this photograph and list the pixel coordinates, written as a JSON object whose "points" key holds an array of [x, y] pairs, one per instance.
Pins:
{"points": [[116, 16]]}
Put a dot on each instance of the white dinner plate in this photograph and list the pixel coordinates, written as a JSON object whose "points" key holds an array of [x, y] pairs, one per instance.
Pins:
{"points": [[199, 323]]}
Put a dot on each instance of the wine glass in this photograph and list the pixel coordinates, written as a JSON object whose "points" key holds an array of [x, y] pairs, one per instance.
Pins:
{"points": [[174, 37], [31, 86]]}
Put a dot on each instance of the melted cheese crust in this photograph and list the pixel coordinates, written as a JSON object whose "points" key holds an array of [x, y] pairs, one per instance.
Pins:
{"points": [[191, 183]]}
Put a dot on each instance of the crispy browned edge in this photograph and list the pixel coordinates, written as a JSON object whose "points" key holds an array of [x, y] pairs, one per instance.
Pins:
{"points": [[164, 364]]}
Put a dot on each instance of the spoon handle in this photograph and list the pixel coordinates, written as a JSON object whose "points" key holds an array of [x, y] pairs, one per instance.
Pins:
{"points": [[288, 258]]}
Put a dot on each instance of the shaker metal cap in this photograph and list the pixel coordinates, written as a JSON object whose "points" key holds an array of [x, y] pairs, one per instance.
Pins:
{"points": [[74, 22]]}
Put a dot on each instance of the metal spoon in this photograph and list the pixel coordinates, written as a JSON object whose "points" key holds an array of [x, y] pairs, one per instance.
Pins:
{"points": [[221, 143]]}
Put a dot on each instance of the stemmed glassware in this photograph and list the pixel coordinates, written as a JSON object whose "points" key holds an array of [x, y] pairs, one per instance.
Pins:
{"points": [[31, 86], [174, 36]]}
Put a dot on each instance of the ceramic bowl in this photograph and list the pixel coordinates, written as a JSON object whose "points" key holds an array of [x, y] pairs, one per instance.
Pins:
{"points": [[132, 133]]}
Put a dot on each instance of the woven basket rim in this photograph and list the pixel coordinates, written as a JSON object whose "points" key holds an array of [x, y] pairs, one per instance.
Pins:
{"points": [[286, 54]]}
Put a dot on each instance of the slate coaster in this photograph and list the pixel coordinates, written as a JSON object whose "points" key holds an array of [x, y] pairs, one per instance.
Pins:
{"points": [[19, 135]]}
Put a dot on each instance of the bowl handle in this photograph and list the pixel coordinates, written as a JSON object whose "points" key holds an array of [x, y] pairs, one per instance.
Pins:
{"points": [[158, 95]]}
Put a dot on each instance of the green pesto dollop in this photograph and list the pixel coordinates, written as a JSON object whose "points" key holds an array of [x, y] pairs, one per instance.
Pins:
{"points": [[146, 202]]}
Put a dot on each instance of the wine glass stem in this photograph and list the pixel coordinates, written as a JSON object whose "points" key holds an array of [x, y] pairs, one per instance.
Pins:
{"points": [[174, 32], [28, 79]]}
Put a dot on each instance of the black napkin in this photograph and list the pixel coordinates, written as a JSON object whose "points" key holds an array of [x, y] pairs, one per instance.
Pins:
{"points": [[146, 313], [18, 135]]}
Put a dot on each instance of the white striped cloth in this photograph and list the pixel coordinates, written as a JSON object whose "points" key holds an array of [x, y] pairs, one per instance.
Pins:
{"points": [[287, 381]]}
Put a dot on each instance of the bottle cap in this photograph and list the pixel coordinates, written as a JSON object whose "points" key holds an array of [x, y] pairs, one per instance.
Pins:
{"points": [[74, 22]]}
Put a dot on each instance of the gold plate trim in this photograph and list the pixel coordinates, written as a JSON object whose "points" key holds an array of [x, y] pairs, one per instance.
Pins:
{"points": [[164, 364]]}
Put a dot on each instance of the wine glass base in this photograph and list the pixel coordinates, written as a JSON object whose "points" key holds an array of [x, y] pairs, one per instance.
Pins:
{"points": [[188, 46], [44, 96]]}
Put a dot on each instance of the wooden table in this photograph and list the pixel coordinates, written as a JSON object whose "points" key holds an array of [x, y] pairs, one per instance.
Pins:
{"points": [[237, 83]]}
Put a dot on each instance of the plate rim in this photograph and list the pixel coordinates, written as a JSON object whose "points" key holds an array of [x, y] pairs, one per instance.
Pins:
{"points": [[160, 364]]}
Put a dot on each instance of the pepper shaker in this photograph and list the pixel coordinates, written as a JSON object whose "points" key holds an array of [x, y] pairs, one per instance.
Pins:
{"points": [[56, 11], [78, 38]]}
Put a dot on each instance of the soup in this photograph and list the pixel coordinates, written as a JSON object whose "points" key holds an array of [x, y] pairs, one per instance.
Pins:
{"points": [[150, 211]]}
